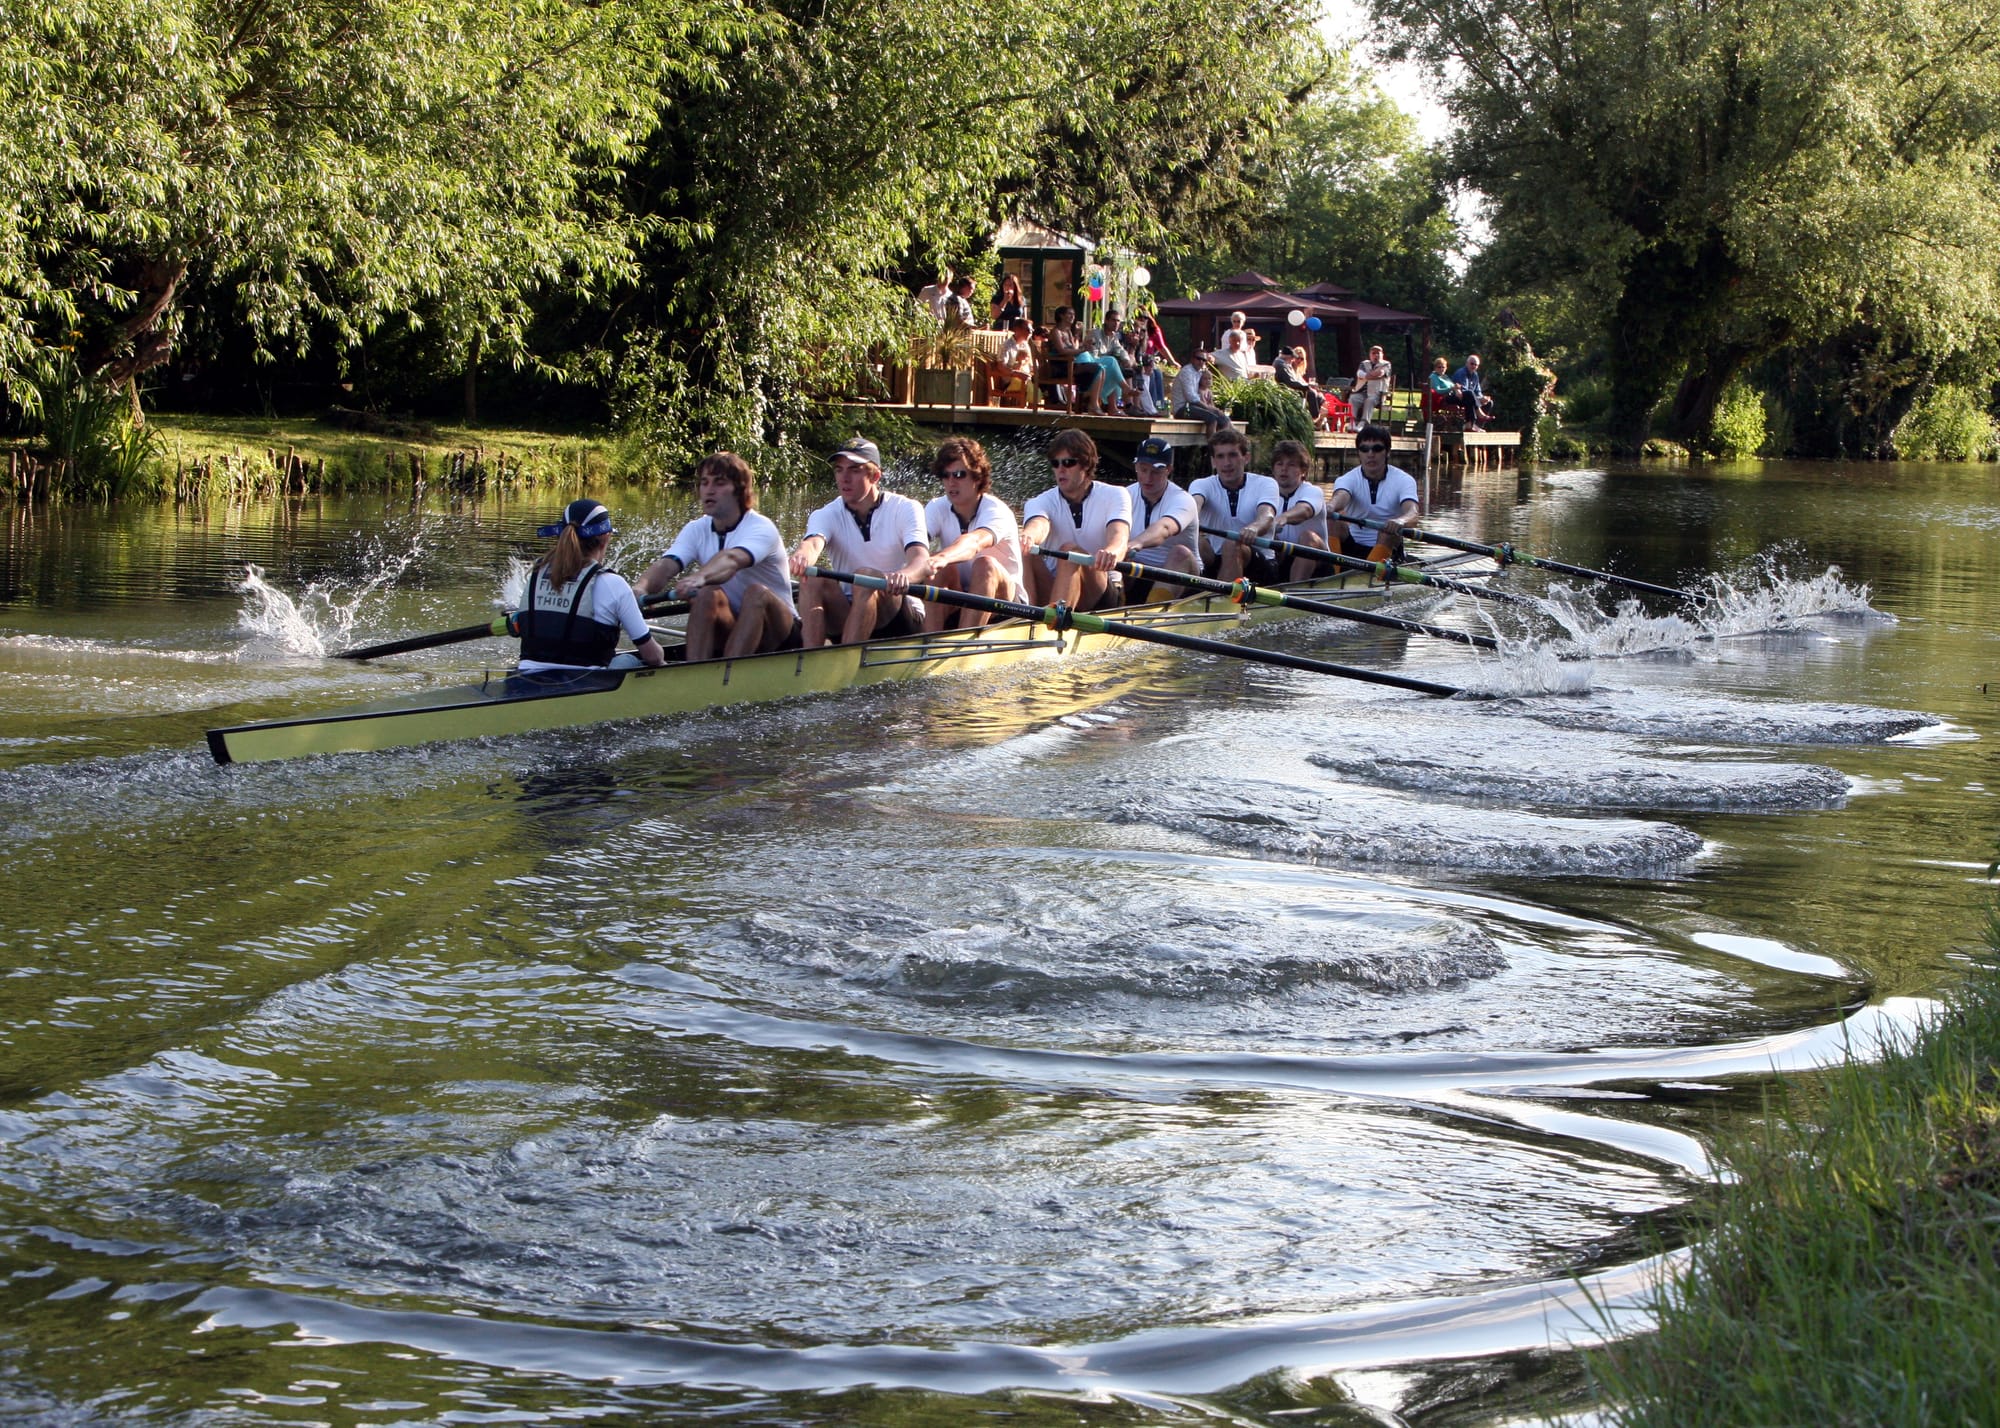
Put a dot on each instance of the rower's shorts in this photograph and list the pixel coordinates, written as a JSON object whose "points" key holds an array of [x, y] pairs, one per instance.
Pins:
{"points": [[904, 619]]}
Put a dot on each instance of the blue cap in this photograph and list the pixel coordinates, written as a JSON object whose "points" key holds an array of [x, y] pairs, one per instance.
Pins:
{"points": [[589, 517]]}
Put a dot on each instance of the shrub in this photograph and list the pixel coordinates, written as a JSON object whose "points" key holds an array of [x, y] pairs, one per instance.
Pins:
{"points": [[1586, 400], [1265, 409], [1948, 423], [96, 451], [1738, 429]]}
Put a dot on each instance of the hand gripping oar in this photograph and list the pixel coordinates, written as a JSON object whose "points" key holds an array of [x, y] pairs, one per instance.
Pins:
{"points": [[1245, 593], [499, 627], [1507, 555], [1388, 571], [1061, 617]]}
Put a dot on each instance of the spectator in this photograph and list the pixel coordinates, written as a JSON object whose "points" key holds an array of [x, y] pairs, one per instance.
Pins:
{"points": [[937, 297], [958, 307], [1236, 353], [1151, 339], [1472, 394], [1113, 358], [1371, 385], [1288, 369], [1149, 388], [1065, 343], [1008, 308], [1444, 391], [1193, 394]]}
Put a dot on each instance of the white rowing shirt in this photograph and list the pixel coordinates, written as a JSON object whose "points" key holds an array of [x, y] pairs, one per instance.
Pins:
{"points": [[1232, 510], [757, 537], [882, 543], [1087, 527], [1313, 499], [1378, 505], [941, 522], [1175, 502]]}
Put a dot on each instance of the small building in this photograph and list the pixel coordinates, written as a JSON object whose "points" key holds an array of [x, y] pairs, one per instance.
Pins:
{"points": [[1269, 309], [1048, 265]]}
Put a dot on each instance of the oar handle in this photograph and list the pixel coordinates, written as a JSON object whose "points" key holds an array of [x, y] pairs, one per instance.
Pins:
{"points": [[1243, 592], [1507, 555], [1061, 617]]}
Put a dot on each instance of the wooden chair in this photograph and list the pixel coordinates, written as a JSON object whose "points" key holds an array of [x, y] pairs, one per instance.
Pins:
{"points": [[1005, 386], [1055, 378]]}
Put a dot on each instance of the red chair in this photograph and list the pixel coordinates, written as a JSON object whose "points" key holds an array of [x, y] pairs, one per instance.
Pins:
{"points": [[1339, 413]]}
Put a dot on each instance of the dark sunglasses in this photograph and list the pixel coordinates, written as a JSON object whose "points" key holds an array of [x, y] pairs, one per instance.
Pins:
{"points": [[1063, 463], [956, 471], [1373, 448]]}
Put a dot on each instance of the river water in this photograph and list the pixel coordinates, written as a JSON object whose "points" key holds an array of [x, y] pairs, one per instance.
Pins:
{"points": [[1158, 1040]]}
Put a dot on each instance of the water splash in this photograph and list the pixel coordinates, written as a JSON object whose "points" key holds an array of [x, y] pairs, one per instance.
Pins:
{"points": [[323, 615], [514, 583]]}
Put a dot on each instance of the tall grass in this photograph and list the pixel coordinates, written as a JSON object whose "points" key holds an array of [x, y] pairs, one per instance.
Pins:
{"points": [[1852, 1274], [93, 450]]}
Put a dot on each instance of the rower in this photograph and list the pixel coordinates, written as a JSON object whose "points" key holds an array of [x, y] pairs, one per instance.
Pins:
{"points": [[1165, 516], [868, 531], [1080, 513], [978, 539], [1302, 518], [574, 609], [1238, 500], [1377, 492], [728, 563]]}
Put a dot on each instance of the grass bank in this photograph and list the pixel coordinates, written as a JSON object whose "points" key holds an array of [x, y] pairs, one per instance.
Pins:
{"points": [[1852, 1274], [203, 457]]}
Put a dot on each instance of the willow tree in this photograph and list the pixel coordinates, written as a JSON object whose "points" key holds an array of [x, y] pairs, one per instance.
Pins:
{"points": [[850, 135], [1724, 178], [331, 162]]}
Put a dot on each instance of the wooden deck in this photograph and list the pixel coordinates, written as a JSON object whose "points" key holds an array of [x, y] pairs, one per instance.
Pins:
{"points": [[1334, 449]]}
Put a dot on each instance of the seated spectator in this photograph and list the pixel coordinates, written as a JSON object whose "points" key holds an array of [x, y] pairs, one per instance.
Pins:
{"points": [[1371, 386], [1445, 394], [1472, 395], [1065, 344], [1236, 354], [1287, 370], [1007, 306], [1151, 339], [1193, 395], [1149, 387], [1113, 358], [958, 307], [1011, 375]]}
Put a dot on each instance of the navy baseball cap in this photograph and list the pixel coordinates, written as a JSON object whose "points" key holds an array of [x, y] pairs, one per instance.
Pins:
{"points": [[589, 517], [1155, 451], [859, 449]]}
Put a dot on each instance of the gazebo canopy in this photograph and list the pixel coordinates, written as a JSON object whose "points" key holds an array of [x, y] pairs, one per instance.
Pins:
{"points": [[1257, 304]]}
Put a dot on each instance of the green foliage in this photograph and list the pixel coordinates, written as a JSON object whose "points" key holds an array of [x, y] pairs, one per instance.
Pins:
{"points": [[1265, 409], [1948, 423], [1714, 182], [1353, 196], [83, 427], [1851, 1273], [1738, 430]]}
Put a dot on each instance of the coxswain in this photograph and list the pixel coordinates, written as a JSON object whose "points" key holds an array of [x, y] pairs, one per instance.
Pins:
{"points": [[862, 531], [1302, 517], [1078, 513], [574, 609], [1240, 501], [1165, 519], [978, 540], [1377, 492], [728, 563]]}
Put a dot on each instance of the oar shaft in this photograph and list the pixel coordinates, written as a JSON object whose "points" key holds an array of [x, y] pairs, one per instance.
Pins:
{"points": [[1243, 591], [1383, 569], [499, 627], [1058, 617], [1506, 554]]}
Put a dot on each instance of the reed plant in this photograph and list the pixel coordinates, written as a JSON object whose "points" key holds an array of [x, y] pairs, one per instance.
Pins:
{"points": [[1851, 1274]]}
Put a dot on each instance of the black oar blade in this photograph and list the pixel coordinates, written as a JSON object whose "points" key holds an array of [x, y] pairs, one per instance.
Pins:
{"points": [[492, 629]]}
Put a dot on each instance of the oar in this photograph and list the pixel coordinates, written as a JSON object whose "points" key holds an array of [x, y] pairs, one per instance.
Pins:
{"points": [[1243, 592], [499, 627], [1061, 617], [1507, 555], [1384, 570]]}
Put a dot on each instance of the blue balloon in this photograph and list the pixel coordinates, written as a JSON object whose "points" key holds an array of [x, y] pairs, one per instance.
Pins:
{"points": [[1312, 324]]}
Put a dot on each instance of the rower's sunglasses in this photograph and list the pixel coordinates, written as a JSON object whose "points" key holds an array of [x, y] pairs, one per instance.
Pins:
{"points": [[1373, 448], [954, 472], [1063, 463]]}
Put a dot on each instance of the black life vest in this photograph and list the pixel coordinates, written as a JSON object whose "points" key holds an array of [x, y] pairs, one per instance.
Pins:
{"points": [[551, 630]]}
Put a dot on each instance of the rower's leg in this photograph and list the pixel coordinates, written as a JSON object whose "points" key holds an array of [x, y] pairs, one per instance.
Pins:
{"points": [[1091, 587], [761, 624], [822, 604], [983, 577], [709, 622], [1231, 565], [1303, 569], [948, 577], [1062, 589], [1041, 582], [1182, 559], [863, 611]]}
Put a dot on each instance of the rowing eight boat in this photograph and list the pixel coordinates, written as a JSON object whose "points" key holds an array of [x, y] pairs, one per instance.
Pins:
{"points": [[515, 703]]}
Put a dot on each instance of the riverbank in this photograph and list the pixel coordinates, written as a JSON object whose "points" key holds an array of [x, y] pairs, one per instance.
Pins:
{"points": [[1852, 1274]]}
